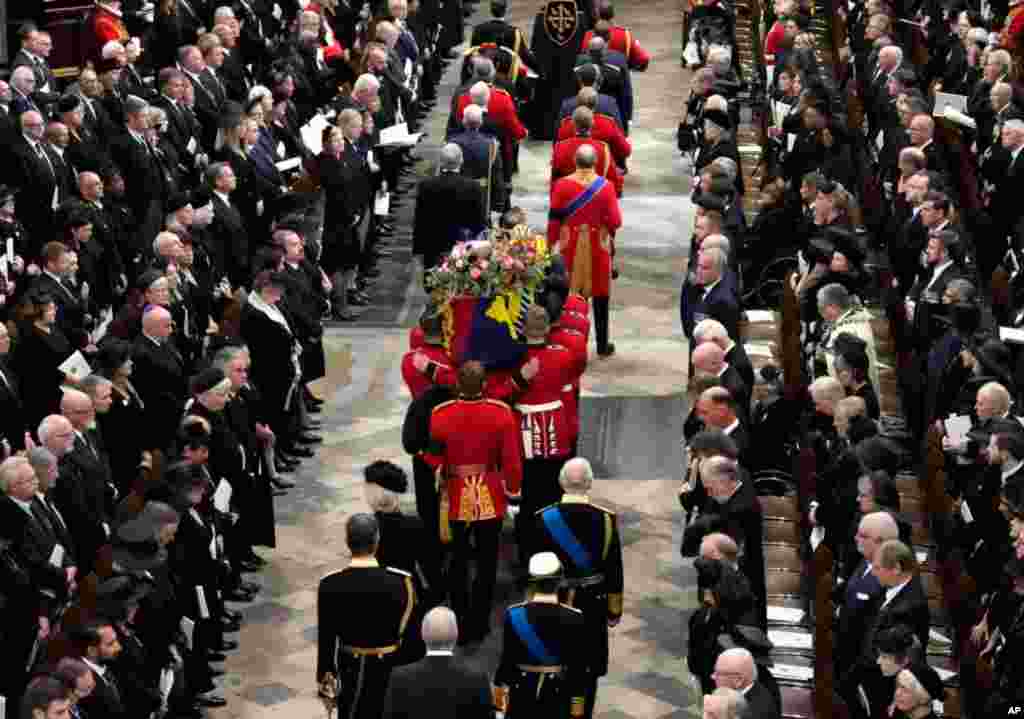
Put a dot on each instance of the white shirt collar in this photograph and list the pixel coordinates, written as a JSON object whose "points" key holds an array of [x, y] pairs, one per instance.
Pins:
{"points": [[891, 592], [939, 269], [745, 691], [732, 427], [154, 340], [221, 195], [725, 368], [27, 506]]}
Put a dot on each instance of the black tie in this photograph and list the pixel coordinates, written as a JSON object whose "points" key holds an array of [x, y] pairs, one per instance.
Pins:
{"points": [[40, 516]]}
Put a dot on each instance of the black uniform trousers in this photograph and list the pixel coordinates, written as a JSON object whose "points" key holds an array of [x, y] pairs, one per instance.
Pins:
{"points": [[363, 685], [540, 488], [474, 540], [429, 508], [593, 602], [600, 305]]}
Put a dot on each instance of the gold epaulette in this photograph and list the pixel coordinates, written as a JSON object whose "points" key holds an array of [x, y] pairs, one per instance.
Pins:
{"points": [[517, 604], [331, 574], [603, 509], [400, 572], [566, 606], [542, 509]]}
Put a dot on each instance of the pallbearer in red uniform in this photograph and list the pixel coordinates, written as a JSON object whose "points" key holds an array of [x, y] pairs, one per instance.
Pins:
{"points": [[605, 128], [583, 219], [545, 423], [563, 155], [576, 342], [618, 38], [475, 446], [432, 350]]}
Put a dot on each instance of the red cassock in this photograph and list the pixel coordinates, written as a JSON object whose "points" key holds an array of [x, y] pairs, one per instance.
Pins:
{"points": [[576, 343], [476, 446], [545, 423], [563, 160], [418, 382], [501, 110], [582, 224], [606, 130], [622, 40]]}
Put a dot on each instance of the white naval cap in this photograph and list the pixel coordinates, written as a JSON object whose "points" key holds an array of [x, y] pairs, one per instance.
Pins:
{"points": [[544, 565]]}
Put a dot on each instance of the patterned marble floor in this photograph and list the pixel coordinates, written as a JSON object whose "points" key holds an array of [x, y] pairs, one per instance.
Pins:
{"points": [[632, 414]]}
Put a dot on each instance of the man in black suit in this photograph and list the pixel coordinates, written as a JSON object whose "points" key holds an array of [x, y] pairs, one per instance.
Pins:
{"points": [[143, 177], [709, 296], [481, 156], [232, 247], [87, 452], [503, 34], [862, 588], [735, 669], [711, 330], [942, 268], [449, 209], [1007, 180], [902, 601], [732, 508], [33, 54], [12, 411], [98, 647], [34, 174], [439, 682], [716, 408], [207, 105], [179, 125], [159, 377]]}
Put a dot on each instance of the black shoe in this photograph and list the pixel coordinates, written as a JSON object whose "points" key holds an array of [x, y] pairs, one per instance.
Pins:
{"points": [[306, 438], [210, 700], [300, 452], [314, 410], [247, 566], [282, 483], [313, 425], [232, 614], [250, 587], [275, 492], [216, 672], [608, 350], [236, 595], [216, 657], [228, 645], [281, 466], [358, 300], [230, 627], [372, 272]]}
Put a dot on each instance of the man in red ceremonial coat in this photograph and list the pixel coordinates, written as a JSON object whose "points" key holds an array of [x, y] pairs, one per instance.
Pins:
{"points": [[475, 446], [582, 223], [414, 371], [563, 156], [618, 38], [605, 128], [575, 341], [501, 112], [103, 24], [545, 423]]}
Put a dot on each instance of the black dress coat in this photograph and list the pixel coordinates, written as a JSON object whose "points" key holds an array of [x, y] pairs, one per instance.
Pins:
{"points": [[438, 685], [38, 354], [159, 377], [273, 372]]}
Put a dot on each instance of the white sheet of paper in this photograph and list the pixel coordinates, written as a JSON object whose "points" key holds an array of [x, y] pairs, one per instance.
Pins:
{"points": [[790, 615], [783, 639], [101, 329], [166, 683], [290, 164], [816, 538], [204, 608], [944, 674], [938, 638], [57, 555], [222, 496], [312, 133], [758, 349], [793, 672], [959, 118], [191, 146], [382, 204], [760, 316], [965, 512], [880, 140], [3, 265], [76, 366], [1011, 334], [957, 427], [790, 141], [187, 628], [396, 132], [921, 556], [9, 251]]}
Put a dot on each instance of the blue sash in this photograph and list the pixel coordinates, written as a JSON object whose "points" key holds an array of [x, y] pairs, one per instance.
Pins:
{"points": [[565, 539], [528, 636], [578, 202]]}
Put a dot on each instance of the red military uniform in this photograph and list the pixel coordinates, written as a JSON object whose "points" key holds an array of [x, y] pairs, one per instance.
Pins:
{"points": [[419, 382], [578, 304], [501, 110], [416, 337], [544, 422], [621, 40], [606, 130], [576, 344], [585, 235], [563, 161], [105, 24], [477, 450]]}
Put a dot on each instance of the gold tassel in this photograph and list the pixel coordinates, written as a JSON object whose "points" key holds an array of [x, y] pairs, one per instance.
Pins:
{"points": [[445, 526]]}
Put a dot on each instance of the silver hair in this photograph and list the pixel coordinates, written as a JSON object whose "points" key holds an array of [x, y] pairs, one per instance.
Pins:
{"points": [[576, 476], [835, 294], [365, 83], [451, 157], [440, 629], [10, 465], [93, 382], [48, 425], [473, 116]]}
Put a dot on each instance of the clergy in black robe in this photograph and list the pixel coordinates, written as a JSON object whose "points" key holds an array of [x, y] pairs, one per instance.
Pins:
{"points": [[558, 32]]}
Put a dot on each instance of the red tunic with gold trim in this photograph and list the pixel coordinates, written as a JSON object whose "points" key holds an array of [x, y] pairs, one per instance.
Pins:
{"points": [[563, 160], [576, 343], [419, 382], [578, 304], [474, 442], [585, 236], [105, 25], [606, 130], [545, 423], [575, 321], [621, 40], [416, 338]]}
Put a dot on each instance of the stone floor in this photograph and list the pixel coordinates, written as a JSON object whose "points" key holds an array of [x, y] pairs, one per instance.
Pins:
{"points": [[632, 414]]}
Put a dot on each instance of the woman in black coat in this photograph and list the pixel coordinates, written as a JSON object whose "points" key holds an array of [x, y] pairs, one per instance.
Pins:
{"points": [[126, 413], [40, 350], [274, 351]]}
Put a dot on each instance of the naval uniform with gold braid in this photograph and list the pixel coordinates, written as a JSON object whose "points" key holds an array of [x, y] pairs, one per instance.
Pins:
{"points": [[363, 612], [543, 668], [586, 539]]}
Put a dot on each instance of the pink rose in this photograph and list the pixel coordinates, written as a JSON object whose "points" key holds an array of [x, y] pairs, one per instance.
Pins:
{"points": [[484, 264], [475, 273], [507, 263], [519, 266]]}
